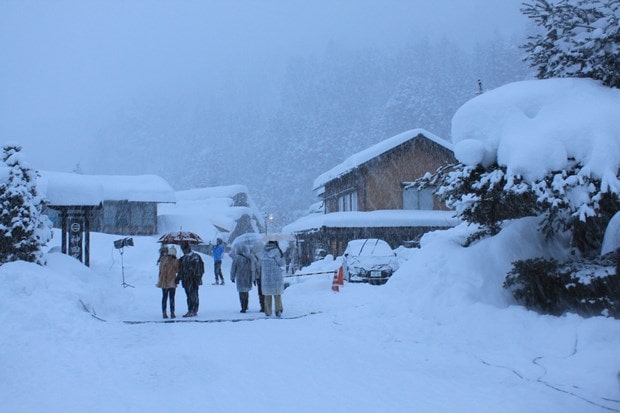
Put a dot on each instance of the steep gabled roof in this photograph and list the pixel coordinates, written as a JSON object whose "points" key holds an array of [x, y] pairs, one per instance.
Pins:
{"points": [[360, 158]]}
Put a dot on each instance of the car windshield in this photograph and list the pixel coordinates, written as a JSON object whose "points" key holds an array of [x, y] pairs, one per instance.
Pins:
{"points": [[369, 247]]}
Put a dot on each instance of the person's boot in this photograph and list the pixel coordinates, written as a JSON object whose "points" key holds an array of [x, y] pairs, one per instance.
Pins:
{"points": [[172, 315], [165, 315]]}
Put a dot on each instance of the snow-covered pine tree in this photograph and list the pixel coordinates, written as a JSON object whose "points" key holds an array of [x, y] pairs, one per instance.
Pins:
{"points": [[580, 38], [24, 230]]}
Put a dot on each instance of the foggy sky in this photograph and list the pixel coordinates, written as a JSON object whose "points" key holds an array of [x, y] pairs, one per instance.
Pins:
{"points": [[68, 67]]}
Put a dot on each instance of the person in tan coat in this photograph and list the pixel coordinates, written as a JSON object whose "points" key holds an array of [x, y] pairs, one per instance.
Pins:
{"points": [[168, 267]]}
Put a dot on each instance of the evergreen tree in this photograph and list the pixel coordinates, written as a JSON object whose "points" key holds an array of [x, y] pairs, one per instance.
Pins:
{"points": [[580, 38], [23, 228]]}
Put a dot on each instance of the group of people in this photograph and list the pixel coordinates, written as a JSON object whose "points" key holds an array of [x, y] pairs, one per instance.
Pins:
{"points": [[247, 270], [187, 270], [265, 273]]}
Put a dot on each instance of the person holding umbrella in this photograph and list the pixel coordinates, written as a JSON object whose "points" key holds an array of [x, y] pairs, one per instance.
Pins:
{"points": [[272, 280], [168, 267], [243, 273], [191, 269]]}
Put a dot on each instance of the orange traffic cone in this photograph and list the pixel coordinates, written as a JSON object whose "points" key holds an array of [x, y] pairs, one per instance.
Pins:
{"points": [[335, 283], [338, 280]]}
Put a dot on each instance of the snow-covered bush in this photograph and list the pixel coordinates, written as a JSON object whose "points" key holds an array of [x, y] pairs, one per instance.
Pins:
{"points": [[482, 196], [568, 200], [580, 38], [24, 230], [588, 287]]}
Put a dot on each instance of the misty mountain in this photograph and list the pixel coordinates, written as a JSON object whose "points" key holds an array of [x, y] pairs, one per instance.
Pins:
{"points": [[278, 135]]}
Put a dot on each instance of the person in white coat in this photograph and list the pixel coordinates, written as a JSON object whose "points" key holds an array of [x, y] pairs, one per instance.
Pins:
{"points": [[272, 280], [243, 273]]}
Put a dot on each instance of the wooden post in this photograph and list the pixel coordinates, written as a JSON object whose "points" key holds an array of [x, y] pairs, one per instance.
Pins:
{"points": [[63, 230], [87, 237]]}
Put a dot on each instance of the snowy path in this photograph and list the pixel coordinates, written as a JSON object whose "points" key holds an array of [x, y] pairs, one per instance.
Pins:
{"points": [[367, 350]]}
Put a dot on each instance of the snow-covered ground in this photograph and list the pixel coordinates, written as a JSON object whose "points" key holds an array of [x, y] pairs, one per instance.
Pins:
{"points": [[440, 336]]}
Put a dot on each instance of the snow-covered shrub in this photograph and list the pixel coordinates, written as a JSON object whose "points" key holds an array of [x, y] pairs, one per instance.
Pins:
{"points": [[580, 38], [568, 200], [24, 230], [482, 196], [573, 201], [588, 288]]}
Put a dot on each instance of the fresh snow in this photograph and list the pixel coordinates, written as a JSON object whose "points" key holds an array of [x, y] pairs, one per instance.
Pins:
{"points": [[63, 188], [200, 210], [534, 127], [611, 241], [440, 336], [379, 218]]}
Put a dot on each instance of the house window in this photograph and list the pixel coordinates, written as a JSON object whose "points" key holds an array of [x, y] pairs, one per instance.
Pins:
{"points": [[418, 199], [347, 202]]}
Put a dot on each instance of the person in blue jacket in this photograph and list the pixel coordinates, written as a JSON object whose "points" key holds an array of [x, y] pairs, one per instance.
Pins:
{"points": [[218, 251]]}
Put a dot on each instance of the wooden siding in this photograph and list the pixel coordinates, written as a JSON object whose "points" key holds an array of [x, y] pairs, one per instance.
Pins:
{"points": [[125, 218], [378, 182]]}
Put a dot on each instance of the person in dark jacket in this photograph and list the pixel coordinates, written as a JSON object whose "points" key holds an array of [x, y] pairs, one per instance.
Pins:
{"points": [[257, 283], [191, 269], [218, 252], [243, 273], [168, 267]]}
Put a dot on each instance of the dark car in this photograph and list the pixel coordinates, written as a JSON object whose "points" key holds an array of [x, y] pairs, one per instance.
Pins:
{"points": [[369, 260]]}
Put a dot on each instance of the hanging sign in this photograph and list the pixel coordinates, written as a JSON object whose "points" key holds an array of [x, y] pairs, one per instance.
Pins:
{"points": [[76, 237]]}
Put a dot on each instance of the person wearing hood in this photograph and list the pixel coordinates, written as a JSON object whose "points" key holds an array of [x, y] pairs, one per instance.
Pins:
{"points": [[218, 252], [272, 279], [243, 273], [168, 267]]}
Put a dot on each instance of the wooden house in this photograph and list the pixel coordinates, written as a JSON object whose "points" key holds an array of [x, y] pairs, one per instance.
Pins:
{"points": [[117, 204], [367, 196], [122, 205]]}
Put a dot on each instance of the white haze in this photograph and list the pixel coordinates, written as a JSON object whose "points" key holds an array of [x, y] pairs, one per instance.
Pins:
{"points": [[220, 88]]}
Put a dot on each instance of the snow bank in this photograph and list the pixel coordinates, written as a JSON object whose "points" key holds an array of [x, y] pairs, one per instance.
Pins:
{"points": [[533, 127]]}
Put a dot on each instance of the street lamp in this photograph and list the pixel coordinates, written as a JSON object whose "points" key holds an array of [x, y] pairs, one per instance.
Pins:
{"points": [[268, 218]]}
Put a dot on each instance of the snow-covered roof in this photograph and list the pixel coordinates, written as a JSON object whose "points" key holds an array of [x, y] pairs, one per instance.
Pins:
{"points": [[534, 127], [203, 210], [381, 218], [63, 188], [372, 152], [227, 191]]}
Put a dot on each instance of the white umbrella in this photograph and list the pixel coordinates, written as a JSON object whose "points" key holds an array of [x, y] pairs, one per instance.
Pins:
{"points": [[253, 239]]}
